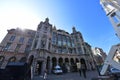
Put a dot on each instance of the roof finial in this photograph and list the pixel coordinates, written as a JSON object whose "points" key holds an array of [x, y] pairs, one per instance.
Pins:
{"points": [[47, 20], [74, 30]]}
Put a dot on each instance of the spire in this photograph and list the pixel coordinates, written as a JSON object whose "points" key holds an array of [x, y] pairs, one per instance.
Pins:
{"points": [[74, 30], [54, 27], [47, 20]]}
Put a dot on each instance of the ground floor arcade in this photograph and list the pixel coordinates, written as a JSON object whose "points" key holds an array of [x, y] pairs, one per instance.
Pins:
{"points": [[48, 61]]}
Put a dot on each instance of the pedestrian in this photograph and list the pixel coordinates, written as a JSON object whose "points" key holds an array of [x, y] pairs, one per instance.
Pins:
{"points": [[79, 68], [83, 69], [45, 74]]}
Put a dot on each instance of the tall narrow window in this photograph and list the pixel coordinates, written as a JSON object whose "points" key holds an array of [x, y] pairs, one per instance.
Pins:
{"points": [[54, 38], [17, 47], [59, 39], [64, 40], [12, 38], [79, 50], [7, 46], [115, 19], [30, 41], [72, 40], [35, 44], [59, 50], [21, 40], [69, 41], [27, 49], [70, 50]]}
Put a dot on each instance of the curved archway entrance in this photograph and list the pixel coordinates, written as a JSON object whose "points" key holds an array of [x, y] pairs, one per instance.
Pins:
{"points": [[48, 64], [66, 60], [67, 65], [72, 61], [38, 69], [60, 61], [77, 60], [54, 62], [12, 59], [82, 61], [31, 60], [73, 65]]}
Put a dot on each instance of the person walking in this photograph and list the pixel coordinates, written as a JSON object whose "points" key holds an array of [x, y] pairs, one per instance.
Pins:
{"points": [[45, 75], [83, 69], [79, 68]]}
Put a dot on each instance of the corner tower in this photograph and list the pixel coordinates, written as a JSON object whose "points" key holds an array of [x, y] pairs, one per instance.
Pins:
{"points": [[43, 35]]}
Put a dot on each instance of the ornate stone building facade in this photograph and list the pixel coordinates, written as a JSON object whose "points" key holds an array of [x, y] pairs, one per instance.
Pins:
{"points": [[53, 47], [15, 47], [99, 55], [45, 48]]}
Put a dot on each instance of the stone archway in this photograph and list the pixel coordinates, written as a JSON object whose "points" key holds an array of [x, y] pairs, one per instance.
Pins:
{"points": [[60, 61], [73, 65], [67, 65], [82, 60], [48, 64], [72, 61], [54, 62], [66, 60], [30, 61], [12, 59], [77, 60]]}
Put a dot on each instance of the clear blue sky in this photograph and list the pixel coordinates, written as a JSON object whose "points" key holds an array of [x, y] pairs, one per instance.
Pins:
{"points": [[86, 15]]}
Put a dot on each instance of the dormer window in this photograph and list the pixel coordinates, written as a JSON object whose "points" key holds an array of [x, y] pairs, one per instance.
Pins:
{"points": [[12, 38], [21, 39], [45, 28]]}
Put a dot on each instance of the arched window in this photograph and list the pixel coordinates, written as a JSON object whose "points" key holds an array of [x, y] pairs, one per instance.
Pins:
{"points": [[1, 59], [12, 59]]}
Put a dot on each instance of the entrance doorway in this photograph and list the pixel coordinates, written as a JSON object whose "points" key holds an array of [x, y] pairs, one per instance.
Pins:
{"points": [[39, 67]]}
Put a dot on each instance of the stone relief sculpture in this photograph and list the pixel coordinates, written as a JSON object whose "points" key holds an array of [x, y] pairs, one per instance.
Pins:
{"points": [[43, 41]]}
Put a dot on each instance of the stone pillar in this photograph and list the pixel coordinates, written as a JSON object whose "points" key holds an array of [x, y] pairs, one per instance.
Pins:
{"points": [[57, 61], [50, 67], [38, 43], [34, 67], [33, 42], [47, 43], [82, 47], [32, 74], [43, 67]]}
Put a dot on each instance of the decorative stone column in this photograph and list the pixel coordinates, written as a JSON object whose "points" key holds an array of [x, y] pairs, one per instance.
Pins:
{"points": [[43, 67], [47, 43], [34, 67], [57, 61], [32, 74], [38, 43], [50, 68]]}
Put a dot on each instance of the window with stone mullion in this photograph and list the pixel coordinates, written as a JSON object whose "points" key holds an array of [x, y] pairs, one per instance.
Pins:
{"points": [[54, 38], [59, 40]]}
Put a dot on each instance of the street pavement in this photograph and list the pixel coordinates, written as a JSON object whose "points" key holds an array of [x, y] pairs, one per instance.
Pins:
{"points": [[69, 76]]}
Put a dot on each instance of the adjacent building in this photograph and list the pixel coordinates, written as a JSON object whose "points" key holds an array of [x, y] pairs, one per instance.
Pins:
{"points": [[99, 55], [16, 46], [45, 48]]}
